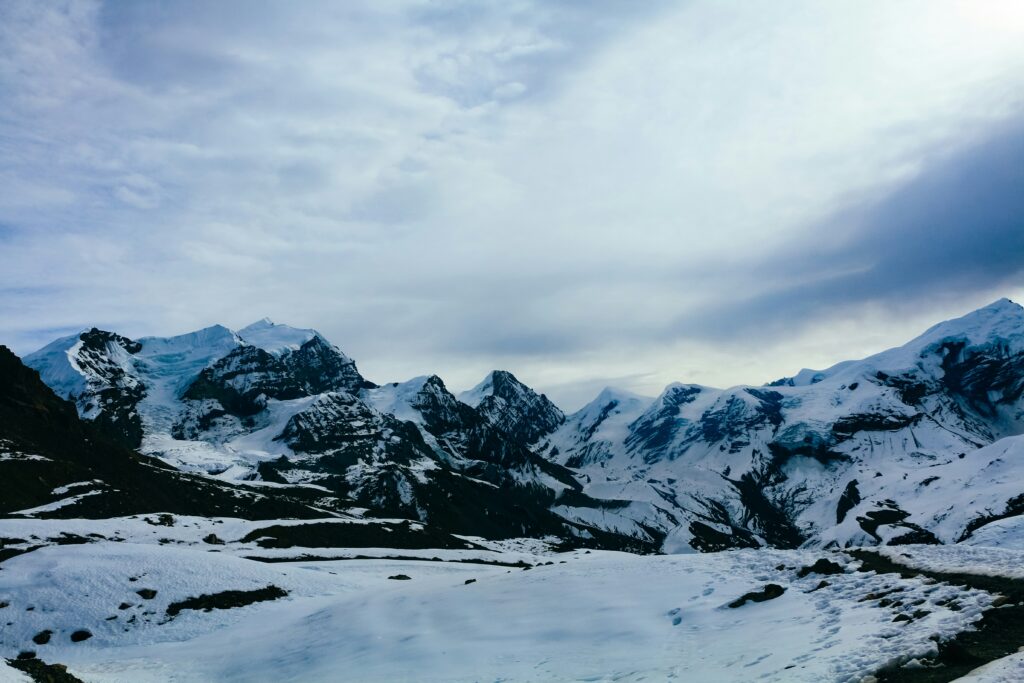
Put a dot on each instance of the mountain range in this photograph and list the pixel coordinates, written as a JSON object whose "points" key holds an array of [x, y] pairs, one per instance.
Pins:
{"points": [[918, 444]]}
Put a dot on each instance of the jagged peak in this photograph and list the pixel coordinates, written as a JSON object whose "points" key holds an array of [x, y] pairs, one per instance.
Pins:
{"points": [[1004, 304], [102, 339], [402, 399], [514, 407], [94, 333], [488, 382], [505, 384], [434, 381], [500, 383], [414, 384], [478, 393]]}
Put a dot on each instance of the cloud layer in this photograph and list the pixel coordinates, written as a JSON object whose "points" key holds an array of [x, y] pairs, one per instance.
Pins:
{"points": [[580, 192]]}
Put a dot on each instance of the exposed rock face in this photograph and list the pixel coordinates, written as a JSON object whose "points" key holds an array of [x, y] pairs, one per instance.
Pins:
{"points": [[239, 385], [285, 405], [318, 366], [106, 390], [443, 464], [514, 408], [49, 457], [242, 381]]}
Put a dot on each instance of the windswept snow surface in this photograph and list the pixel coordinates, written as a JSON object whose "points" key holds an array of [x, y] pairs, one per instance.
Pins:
{"points": [[167, 365], [959, 558], [11, 675], [597, 616], [1006, 670], [274, 338], [1003, 533], [397, 399], [57, 367]]}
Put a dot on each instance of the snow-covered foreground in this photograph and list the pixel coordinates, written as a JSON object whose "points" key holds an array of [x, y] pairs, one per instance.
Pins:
{"points": [[1006, 670], [585, 616]]}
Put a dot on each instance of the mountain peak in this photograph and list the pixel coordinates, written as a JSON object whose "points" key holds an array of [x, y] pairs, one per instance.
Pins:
{"points": [[274, 338], [1004, 304], [501, 383], [504, 382], [214, 335], [610, 393], [1002, 321], [1000, 310], [513, 407], [609, 398]]}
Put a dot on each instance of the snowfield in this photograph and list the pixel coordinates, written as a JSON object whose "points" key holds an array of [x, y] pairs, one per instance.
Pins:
{"points": [[1006, 670], [594, 616], [10, 675], [959, 558]]}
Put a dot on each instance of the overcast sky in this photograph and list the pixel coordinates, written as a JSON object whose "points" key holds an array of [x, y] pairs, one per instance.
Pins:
{"points": [[584, 193]]}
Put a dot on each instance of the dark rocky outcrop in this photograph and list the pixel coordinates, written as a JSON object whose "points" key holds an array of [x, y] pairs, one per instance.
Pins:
{"points": [[769, 592], [113, 395], [226, 600], [849, 500], [516, 409], [57, 448]]}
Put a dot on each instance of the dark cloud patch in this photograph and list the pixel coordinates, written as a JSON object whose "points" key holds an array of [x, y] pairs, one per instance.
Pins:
{"points": [[955, 230]]}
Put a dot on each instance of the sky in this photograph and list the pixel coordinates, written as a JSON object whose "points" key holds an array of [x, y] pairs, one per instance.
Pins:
{"points": [[586, 194]]}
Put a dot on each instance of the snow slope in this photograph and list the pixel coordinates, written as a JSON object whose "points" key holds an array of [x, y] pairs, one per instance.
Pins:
{"points": [[602, 617], [916, 444], [1006, 670], [275, 338]]}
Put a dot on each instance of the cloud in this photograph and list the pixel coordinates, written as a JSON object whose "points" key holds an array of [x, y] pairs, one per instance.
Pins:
{"points": [[138, 191], [956, 227], [569, 190]]}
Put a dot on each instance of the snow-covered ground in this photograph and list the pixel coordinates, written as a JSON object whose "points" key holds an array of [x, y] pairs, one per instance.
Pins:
{"points": [[964, 559], [10, 675], [597, 616], [1006, 670], [183, 531], [1003, 533]]}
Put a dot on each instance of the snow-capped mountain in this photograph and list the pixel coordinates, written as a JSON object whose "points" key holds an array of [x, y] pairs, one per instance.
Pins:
{"points": [[514, 407], [283, 406], [915, 444], [114, 561], [52, 463], [921, 443]]}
